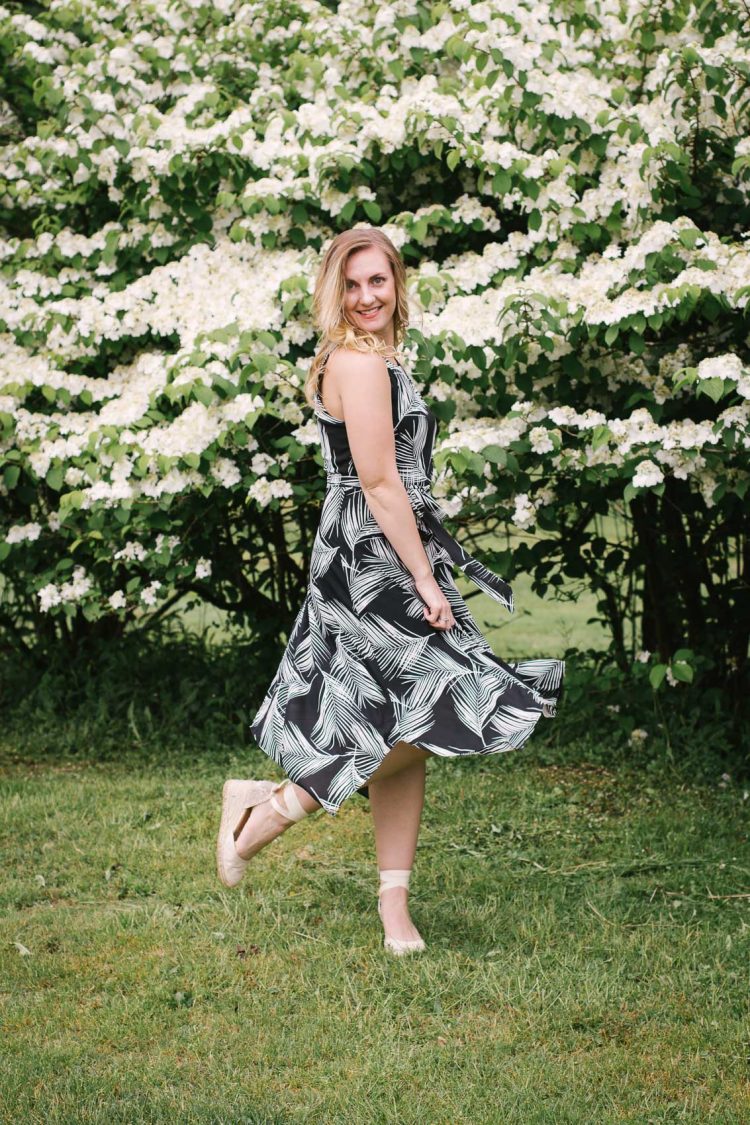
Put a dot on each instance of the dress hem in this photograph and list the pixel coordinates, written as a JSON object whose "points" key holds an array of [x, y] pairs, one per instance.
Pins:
{"points": [[437, 751]]}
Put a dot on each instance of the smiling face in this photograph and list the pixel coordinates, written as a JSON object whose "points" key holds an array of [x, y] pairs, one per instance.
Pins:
{"points": [[370, 292]]}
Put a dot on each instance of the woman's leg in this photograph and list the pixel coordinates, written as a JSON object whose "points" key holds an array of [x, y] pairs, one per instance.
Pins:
{"points": [[264, 824], [396, 800]]}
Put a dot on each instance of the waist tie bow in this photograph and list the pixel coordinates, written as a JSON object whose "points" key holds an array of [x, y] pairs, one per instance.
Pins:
{"points": [[428, 511]]}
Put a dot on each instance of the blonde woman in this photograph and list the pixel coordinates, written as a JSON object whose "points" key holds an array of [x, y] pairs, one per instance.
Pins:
{"points": [[385, 666]]}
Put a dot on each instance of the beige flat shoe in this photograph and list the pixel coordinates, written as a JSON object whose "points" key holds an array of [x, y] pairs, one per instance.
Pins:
{"points": [[239, 797], [397, 877]]}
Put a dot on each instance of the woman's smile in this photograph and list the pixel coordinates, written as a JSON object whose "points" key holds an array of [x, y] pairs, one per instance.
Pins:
{"points": [[370, 314]]}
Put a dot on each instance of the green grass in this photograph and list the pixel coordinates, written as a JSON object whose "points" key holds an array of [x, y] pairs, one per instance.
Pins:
{"points": [[587, 952]]}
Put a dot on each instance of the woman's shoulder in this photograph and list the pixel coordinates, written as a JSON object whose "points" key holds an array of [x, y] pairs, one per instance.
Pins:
{"points": [[348, 358]]}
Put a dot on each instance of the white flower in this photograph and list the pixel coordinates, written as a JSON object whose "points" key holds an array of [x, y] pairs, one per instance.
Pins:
{"points": [[169, 541], [148, 595], [260, 463], [638, 735], [49, 595], [540, 440], [117, 600], [647, 475], [226, 472], [203, 568], [726, 366], [281, 488], [22, 531], [71, 591], [644, 656], [261, 492], [525, 513], [79, 585], [132, 551]]}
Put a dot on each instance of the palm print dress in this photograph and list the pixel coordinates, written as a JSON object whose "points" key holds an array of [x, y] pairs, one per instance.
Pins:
{"points": [[363, 670]]}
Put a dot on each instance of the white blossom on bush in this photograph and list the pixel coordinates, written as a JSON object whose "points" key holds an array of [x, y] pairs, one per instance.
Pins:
{"points": [[540, 439], [226, 472], [23, 531], [647, 475], [149, 593], [131, 552], [524, 514], [72, 591]]}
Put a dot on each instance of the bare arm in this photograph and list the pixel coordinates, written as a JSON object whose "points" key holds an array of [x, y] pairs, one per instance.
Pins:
{"points": [[364, 388]]}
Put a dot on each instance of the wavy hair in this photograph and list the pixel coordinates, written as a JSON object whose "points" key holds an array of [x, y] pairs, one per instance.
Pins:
{"points": [[328, 302]]}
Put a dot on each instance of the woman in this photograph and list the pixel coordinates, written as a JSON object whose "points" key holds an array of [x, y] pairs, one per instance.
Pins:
{"points": [[385, 666]]}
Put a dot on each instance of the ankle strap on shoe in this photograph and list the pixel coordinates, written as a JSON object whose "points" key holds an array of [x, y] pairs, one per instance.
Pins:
{"points": [[291, 809], [394, 877]]}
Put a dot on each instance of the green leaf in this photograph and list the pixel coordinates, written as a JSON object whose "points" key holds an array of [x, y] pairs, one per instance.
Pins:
{"points": [[714, 388], [689, 237], [264, 363], [372, 210], [683, 672], [656, 675], [600, 436], [203, 393], [54, 478], [347, 211], [636, 343], [11, 475], [501, 183], [497, 455], [474, 462]]}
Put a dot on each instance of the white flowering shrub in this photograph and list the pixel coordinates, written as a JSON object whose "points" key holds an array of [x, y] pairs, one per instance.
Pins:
{"points": [[570, 187]]}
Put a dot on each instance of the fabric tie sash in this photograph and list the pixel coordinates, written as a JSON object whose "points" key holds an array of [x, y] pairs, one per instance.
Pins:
{"points": [[428, 511]]}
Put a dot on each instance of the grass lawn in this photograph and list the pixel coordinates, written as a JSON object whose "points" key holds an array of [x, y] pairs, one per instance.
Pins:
{"points": [[587, 935]]}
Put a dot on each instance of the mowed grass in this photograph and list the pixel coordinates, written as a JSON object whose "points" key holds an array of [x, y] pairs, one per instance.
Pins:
{"points": [[587, 960]]}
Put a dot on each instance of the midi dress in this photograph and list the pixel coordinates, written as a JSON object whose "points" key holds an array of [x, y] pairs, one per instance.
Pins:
{"points": [[363, 669]]}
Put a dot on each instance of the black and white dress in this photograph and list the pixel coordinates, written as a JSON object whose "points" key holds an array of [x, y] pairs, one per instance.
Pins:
{"points": [[363, 670]]}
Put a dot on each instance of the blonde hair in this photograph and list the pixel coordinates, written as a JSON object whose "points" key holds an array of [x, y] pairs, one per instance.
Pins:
{"points": [[328, 302]]}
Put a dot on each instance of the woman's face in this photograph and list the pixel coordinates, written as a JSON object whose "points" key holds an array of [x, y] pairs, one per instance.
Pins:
{"points": [[370, 292]]}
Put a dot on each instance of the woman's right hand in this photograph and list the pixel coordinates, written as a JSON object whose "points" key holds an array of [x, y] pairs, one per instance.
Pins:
{"points": [[437, 610]]}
